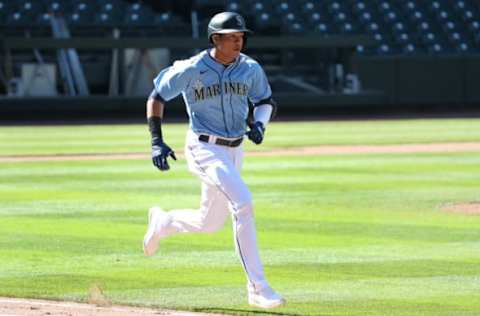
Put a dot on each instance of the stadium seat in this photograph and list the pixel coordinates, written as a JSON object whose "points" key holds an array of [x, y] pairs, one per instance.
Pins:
{"points": [[435, 6], [450, 26], [468, 15], [373, 27], [340, 17], [384, 6], [289, 17], [235, 6], [460, 5], [44, 19], [260, 6], [443, 15], [138, 15], [167, 23], [17, 18], [463, 47], [29, 8], [84, 7], [410, 5], [283, 8], [424, 27], [409, 49], [267, 24], [79, 18], [384, 49], [314, 18], [378, 37], [112, 7], [391, 17], [399, 28], [436, 48], [105, 18], [55, 6], [474, 26], [323, 29], [365, 17], [417, 17], [348, 28], [335, 7], [360, 49], [295, 28], [310, 7], [429, 38], [403, 39], [359, 7]]}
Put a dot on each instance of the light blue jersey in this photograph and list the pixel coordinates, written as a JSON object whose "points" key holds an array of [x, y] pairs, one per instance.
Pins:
{"points": [[216, 96]]}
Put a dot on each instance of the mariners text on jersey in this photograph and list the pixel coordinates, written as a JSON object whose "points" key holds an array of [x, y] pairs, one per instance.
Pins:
{"points": [[202, 93], [216, 96]]}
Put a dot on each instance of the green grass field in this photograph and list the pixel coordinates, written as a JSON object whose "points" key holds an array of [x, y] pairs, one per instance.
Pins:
{"points": [[359, 234]]}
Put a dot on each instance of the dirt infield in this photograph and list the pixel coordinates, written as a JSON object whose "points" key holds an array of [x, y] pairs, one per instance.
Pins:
{"points": [[294, 151], [24, 307], [469, 208]]}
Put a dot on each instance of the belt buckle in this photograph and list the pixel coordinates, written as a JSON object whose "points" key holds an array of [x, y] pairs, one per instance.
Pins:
{"points": [[212, 139]]}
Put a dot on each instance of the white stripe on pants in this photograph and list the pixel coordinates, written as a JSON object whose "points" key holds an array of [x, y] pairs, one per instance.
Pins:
{"points": [[223, 192]]}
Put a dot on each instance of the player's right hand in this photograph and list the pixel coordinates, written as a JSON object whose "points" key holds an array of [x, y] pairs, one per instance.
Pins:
{"points": [[160, 153]]}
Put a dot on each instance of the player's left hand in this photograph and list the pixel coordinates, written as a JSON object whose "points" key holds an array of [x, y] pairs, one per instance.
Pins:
{"points": [[256, 133]]}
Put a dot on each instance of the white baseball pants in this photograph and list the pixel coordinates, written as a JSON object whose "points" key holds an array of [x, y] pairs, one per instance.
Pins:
{"points": [[223, 193]]}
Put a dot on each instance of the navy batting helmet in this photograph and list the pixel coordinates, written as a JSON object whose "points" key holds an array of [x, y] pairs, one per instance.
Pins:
{"points": [[226, 22]]}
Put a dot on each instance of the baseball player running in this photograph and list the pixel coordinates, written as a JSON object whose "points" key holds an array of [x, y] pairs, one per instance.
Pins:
{"points": [[217, 85]]}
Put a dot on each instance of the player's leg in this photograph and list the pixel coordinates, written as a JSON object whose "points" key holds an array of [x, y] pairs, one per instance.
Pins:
{"points": [[259, 294], [217, 167], [209, 218], [220, 166]]}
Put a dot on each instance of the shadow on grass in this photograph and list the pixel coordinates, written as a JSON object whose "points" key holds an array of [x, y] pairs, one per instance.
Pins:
{"points": [[233, 311]]}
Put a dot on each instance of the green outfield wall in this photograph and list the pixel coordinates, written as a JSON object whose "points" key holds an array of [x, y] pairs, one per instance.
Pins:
{"points": [[406, 80]]}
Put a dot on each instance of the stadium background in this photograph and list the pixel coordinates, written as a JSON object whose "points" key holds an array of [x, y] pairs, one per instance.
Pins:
{"points": [[84, 57]]}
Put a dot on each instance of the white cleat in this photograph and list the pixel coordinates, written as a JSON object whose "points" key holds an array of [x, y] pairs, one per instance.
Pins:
{"points": [[158, 220], [265, 298]]}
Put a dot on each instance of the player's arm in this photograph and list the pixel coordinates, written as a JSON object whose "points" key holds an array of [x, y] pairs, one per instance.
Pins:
{"points": [[160, 150], [263, 111]]}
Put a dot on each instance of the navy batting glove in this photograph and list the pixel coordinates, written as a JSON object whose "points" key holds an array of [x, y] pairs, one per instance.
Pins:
{"points": [[160, 153], [256, 133]]}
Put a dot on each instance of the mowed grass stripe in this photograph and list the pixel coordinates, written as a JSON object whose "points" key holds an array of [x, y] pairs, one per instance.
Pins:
{"points": [[38, 140], [324, 260]]}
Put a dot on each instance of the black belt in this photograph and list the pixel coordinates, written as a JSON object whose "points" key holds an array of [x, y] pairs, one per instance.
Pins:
{"points": [[222, 141]]}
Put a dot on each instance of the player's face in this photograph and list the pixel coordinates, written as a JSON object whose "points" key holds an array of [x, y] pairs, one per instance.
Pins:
{"points": [[229, 45]]}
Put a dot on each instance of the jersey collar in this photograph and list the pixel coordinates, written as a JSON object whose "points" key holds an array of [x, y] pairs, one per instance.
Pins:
{"points": [[210, 61]]}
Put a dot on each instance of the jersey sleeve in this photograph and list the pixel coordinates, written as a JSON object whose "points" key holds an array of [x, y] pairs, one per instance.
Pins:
{"points": [[170, 82], [260, 88]]}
